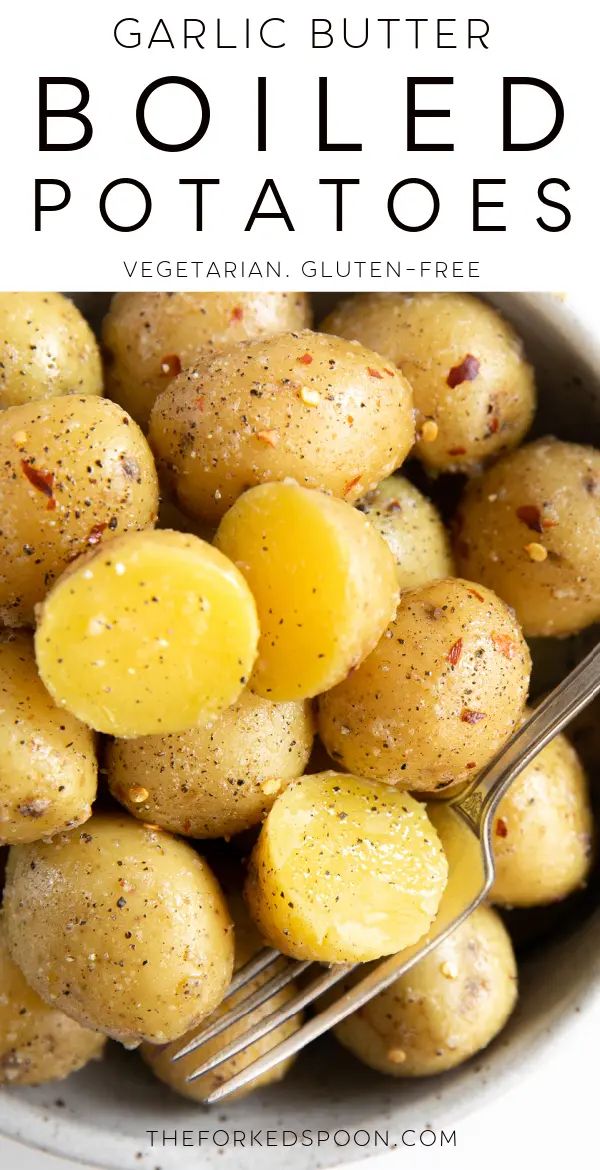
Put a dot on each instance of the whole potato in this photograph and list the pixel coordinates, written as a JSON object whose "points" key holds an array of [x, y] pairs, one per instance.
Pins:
{"points": [[48, 770], [542, 833], [121, 926], [148, 338], [413, 530], [442, 690], [46, 348], [529, 528], [37, 1042], [473, 389], [174, 1074], [345, 870], [325, 412], [76, 472], [218, 779], [449, 1006]]}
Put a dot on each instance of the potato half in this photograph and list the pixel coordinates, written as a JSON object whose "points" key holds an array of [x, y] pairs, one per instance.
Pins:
{"points": [[48, 770], [324, 412], [135, 939], [345, 870]]}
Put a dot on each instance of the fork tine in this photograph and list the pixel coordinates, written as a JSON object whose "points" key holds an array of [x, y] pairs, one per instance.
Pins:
{"points": [[267, 989], [274, 1020], [265, 958]]}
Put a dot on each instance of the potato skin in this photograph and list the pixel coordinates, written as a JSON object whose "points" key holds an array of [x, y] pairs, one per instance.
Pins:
{"points": [[449, 1006], [149, 337], [46, 348], [76, 472], [412, 529], [247, 944], [48, 770], [530, 529], [345, 870], [464, 362], [215, 780], [542, 833], [439, 694], [122, 927], [324, 412], [37, 1042]]}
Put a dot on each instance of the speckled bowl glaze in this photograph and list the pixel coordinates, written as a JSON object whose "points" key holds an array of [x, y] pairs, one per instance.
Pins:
{"points": [[102, 1116]]}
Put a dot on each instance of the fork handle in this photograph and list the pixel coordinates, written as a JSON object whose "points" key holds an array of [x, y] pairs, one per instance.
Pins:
{"points": [[479, 804]]}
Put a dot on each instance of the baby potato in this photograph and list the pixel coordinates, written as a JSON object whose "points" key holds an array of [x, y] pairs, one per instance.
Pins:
{"points": [[121, 926], [442, 690], [160, 1061], [76, 472], [412, 529], [48, 770], [323, 579], [345, 870], [324, 412], [542, 834], [449, 1006], [46, 348], [152, 634], [473, 389], [529, 528], [37, 1042], [215, 780], [148, 338]]}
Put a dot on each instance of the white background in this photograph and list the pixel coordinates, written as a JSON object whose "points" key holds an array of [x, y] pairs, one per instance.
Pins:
{"points": [[368, 104]]}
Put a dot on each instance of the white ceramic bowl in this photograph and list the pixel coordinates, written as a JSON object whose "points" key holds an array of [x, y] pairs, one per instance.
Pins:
{"points": [[102, 1115]]}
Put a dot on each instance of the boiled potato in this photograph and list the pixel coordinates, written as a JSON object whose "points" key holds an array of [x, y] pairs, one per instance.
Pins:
{"points": [[446, 1008], [473, 389], [76, 472], [215, 780], [155, 633], [48, 770], [148, 338], [412, 529], [345, 870], [37, 1042], [324, 583], [174, 1074], [46, 348], [324, 412], [443, 689], [542, 833], [121, 926], [530, 529]]}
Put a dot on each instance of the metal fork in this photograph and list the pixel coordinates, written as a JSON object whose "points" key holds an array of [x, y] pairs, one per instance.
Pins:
{"points": [[476, 808]]}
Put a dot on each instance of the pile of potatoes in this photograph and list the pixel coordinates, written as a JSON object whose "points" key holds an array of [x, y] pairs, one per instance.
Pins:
{"points": [[229, 616]]}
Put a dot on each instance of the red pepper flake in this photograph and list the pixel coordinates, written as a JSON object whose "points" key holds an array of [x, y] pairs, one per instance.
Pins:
{"points": [[454, 653], [493, 425], [374, 373], [200, 402], [504, 645], [237, 313], [348, 487], [467, 371], [95, 533], [530, 515], [170, 365], [387, 371], [474, 593], [471, 765], [43, 481], [468, 716], [501, 827], [306, 359], [457, 450]]}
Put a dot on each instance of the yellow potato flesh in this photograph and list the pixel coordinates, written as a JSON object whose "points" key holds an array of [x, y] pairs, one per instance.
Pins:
{"points": [[345, 869], [324, 583], [156, 633]]}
